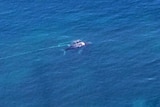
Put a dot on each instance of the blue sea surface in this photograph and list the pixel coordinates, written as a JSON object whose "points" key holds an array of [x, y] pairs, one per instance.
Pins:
{"points": [[121, 68]]}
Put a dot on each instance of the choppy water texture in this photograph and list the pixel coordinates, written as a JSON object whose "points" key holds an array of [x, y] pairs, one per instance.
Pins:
{"points": [[120, 69]]}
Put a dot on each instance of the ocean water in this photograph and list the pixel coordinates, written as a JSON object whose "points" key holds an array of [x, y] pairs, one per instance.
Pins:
{"points": [[121, 68]]}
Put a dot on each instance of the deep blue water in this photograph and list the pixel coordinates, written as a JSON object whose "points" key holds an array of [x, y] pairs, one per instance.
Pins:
{"points": [[120, 69]]}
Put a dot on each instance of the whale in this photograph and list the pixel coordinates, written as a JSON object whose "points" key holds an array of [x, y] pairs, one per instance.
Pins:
{"points": [[76, 44]]}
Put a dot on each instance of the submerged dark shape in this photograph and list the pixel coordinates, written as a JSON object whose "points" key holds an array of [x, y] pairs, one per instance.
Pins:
{"points": [[77, 44]]}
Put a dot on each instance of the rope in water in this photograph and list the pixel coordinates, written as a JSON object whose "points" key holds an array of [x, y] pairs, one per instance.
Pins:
{"points": [[29, 52]]}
